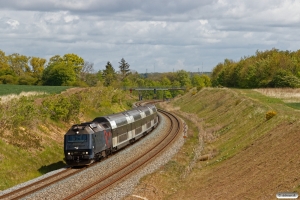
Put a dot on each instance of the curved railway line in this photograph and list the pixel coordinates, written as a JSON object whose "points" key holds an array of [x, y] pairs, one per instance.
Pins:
{"points": [[104, 182], [99, 187]]}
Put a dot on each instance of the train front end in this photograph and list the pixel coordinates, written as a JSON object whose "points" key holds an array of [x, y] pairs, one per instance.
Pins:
{"points": [[78, 145]]}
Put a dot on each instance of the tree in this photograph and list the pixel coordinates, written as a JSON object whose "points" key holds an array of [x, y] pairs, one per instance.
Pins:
{"points": [[19, 64], [284, 78], [63, 70], [76, 61], [184, 78], [124, 68], [38, 66], [197, 81], [109, 74], [59, 74], [4, 66], [3, 60], [165, 81]]}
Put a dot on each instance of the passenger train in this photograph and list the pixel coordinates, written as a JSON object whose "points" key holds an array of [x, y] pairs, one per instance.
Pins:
{"points": [[88, 142]]}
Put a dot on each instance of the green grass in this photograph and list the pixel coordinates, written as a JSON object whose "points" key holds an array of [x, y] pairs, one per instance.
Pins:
{"points": [[294, 105], [17, 89], [236, 116], [18, 166], [34, 146]]}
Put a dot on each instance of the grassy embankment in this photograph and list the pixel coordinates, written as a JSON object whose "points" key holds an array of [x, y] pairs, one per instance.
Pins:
{"points": [[244, 155], [30, 148]]}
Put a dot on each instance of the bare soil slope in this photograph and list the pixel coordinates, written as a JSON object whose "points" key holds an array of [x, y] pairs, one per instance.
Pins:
{"points": [[270, 165]]}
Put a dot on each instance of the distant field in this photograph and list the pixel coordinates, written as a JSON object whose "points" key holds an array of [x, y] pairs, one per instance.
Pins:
{"points": [[290, 96], [17, 89]]}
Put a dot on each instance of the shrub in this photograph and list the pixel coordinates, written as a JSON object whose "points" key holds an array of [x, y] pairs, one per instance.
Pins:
{"points": [[270, 114], [8, 79]]}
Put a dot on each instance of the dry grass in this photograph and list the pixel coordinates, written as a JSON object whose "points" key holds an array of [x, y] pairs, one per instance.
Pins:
{"points": [[288, 95], [7, 98]]}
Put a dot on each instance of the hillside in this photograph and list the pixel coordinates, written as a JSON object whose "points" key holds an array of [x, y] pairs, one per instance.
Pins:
{"points": [[243, 155], [32, 127]]}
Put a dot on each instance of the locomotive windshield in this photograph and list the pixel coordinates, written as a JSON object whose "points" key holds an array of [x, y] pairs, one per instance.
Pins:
{"points": [[76, 138]]}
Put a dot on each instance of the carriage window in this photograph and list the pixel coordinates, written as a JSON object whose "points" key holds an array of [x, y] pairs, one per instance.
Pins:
{"points": [[76, 138]]}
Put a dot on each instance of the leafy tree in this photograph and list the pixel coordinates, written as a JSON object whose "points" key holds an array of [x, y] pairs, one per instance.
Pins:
{"points": [[76, 62], [3, 61], [38, 66], [7, 75], [271, 68], [176, 92], [59, 74], [124, 68], [165, 81], [215, 74], [197, 81], [19, 64], [167, 94], [285, 78], [55, 60], [63, 70], [27, 80], [207, 80], [99, 76], [109, 74], [184, 78]]}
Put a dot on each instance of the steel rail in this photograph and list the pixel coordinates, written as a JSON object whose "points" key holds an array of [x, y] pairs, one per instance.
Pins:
{"points": [[33, 187], [125, 170]]}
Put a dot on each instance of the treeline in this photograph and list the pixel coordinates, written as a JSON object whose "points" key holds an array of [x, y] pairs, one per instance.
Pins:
{"points": [[72, 70], [271, 68], [67, 70]]}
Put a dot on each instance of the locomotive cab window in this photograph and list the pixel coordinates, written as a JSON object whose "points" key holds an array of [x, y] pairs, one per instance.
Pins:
{"points": [[76, 138]]}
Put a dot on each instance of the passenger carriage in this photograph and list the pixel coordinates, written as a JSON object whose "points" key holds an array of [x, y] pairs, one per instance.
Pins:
{"points": [[90, 141]]}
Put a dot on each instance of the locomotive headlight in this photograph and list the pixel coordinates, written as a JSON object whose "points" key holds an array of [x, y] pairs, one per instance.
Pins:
{"points": [[69, 153], [86, 152]]}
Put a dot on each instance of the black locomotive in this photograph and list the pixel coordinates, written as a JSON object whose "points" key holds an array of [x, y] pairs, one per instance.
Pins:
{"points": [[90, 141]]}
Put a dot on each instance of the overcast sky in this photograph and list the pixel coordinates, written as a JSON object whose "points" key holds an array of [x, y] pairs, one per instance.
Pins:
{"points": [[156, 35]]}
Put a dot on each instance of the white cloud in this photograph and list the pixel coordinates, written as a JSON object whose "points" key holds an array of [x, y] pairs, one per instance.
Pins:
{"points": [[168, 33], [13, 23], [71, 18], [203, 21]]}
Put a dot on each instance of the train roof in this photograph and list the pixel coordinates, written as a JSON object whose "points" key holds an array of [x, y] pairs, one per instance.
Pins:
{"points": [[123, 118], [85, 128]]}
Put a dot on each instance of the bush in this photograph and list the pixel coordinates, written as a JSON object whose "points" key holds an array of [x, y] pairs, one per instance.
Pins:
{"points": [[8, 79], [270, 114], [27, 80], [62, 108]]}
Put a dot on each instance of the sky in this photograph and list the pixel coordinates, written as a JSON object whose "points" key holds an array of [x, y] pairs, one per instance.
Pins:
{"points": [[152, 36]]}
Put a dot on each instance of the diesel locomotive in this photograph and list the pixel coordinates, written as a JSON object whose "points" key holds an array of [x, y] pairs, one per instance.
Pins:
{"points": [[88, 142]]}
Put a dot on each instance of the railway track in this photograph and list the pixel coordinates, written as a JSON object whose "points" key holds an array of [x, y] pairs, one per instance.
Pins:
{"points": [[41, 184], [99, 186]]}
